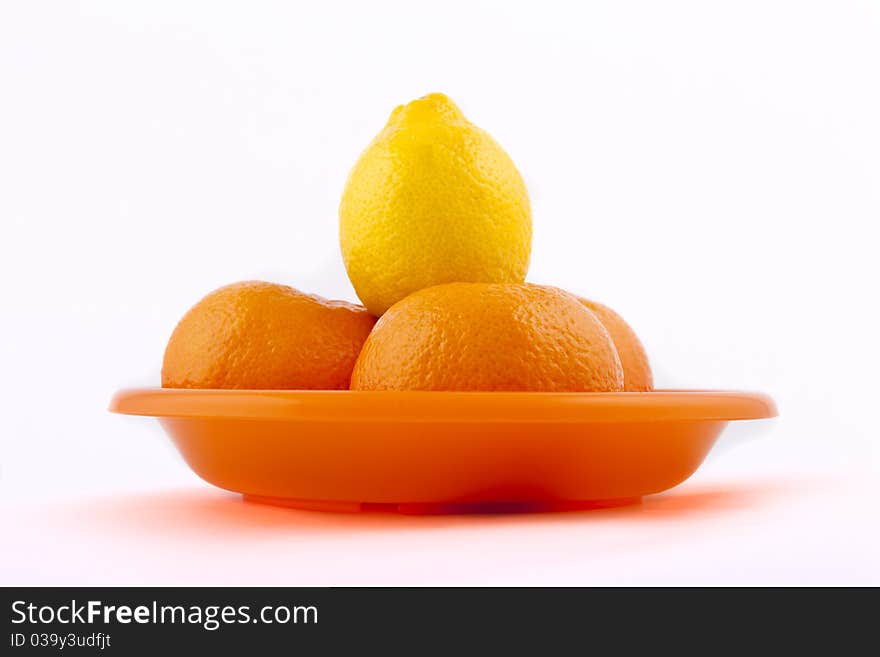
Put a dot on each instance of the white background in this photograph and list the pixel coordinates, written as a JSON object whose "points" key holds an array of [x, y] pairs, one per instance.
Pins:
{"points": [[710, 170]]}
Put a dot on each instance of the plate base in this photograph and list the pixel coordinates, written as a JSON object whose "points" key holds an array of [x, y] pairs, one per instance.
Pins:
{"points": [[434, 508]]}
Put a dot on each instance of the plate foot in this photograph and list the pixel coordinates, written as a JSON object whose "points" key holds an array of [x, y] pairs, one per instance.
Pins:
{"points": [[440, 508]]}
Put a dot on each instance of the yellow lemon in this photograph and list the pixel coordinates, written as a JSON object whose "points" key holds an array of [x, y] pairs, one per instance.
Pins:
{"points": [[433, 199]]}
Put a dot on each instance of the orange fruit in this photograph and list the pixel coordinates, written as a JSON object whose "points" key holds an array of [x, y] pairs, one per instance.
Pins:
{"points": [[488, 336], [637, 375], [256, 335]]}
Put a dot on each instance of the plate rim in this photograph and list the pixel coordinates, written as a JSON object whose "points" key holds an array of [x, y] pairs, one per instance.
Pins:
{"points": [[444, 406]]}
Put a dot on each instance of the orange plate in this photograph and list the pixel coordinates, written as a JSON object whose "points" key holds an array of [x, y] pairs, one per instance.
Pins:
{"points": [[424, 452]]}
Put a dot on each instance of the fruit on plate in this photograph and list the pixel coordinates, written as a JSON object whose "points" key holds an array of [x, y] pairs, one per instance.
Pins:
{"points": [[637, 375], [485, 336], [260, 335], [435, 229], [433, 199]]}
